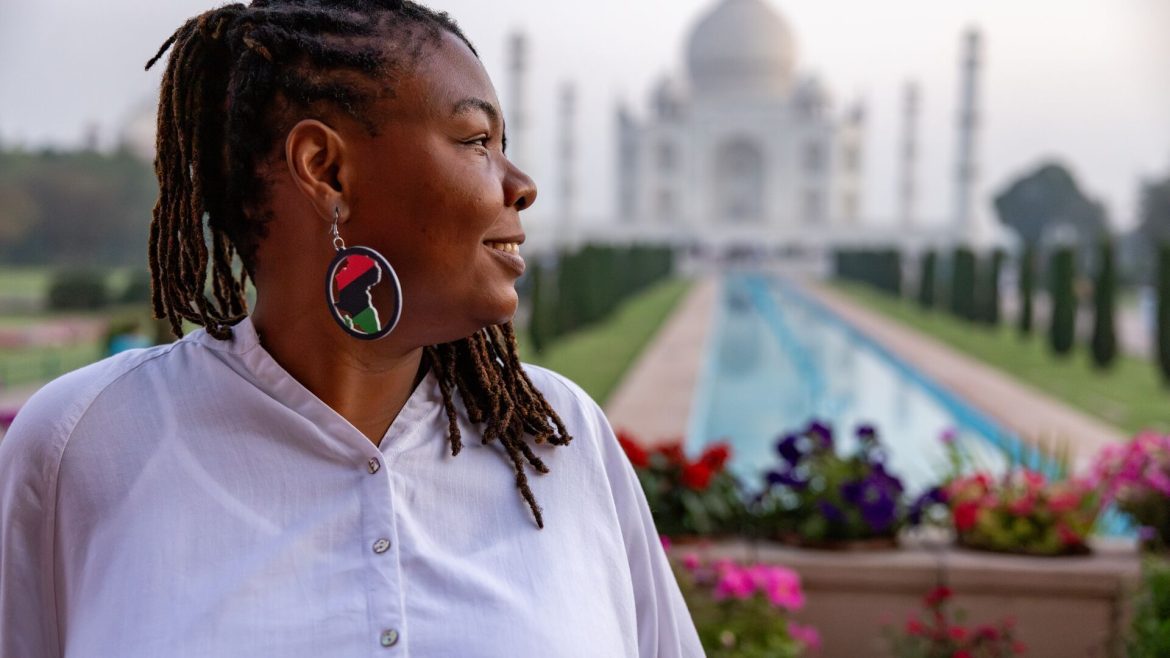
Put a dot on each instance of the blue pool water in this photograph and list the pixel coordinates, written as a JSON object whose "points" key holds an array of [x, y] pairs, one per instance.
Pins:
{"points": [[778, 359]]}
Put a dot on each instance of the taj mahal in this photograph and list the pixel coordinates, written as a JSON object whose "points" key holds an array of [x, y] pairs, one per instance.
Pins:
{"points": [[742, 150]]}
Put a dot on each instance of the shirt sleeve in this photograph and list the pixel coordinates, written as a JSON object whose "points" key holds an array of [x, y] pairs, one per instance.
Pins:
{"points": [[29, 454], [665, 627]]}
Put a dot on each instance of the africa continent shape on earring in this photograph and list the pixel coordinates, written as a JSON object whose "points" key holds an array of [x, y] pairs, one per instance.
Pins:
{"points": [[349, 284]]}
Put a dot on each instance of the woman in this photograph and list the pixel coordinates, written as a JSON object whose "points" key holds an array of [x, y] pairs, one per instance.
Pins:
{"points": [[303, 480]]}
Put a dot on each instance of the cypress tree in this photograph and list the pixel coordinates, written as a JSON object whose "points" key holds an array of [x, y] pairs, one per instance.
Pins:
{"points": [[963, 284], [1104, 343], [538, 316], [1027, 281], [1164, 311], [991, 290], [1062, 329], [926, 281]]}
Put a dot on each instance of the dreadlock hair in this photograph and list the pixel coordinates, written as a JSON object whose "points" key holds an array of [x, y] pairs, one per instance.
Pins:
{"points": [[237, 79]]}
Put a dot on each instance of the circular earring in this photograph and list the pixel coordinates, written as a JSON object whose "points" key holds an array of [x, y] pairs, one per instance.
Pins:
{"points": [[349, 289]]}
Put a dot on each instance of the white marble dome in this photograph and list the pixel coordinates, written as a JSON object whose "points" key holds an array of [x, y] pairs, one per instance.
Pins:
{"points": [[741, 47]]}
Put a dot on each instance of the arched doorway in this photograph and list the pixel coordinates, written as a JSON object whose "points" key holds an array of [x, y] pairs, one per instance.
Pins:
{"points": [[739, 181]]}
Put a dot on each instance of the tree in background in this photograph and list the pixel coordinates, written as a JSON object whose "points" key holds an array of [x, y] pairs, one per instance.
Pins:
{"points": [[1048, 197], [1062, 274], [1153, 228], [989, 292], [963, 284], [1027, 283], [1104, 341], [926, 294], [82, 209], [1164, 311], [540, 328]]}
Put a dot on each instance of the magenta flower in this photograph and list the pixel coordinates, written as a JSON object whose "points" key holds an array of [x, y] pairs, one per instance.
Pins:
{"points": [[806, 635]]}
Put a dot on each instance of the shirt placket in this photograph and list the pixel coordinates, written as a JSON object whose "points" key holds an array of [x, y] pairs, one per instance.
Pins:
{"points": [[380, 543]]}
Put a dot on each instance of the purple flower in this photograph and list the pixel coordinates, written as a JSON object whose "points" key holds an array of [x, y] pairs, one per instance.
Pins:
{"points": [[789, 449], [785, 479], [820, 433], [867, 435], [930, 497], [831, 512], [876, 497]]}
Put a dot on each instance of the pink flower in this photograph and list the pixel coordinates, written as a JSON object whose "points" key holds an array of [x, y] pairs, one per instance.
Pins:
{"points": [[691, 561], [665, 542], [783, 588], [806, 635], [735, 583]]}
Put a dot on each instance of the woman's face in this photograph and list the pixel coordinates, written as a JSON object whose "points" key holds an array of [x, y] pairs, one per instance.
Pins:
{"points": [[434, 193]]}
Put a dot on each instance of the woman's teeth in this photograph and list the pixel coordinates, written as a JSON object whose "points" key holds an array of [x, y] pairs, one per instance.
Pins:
{"points": [[509, 247]]}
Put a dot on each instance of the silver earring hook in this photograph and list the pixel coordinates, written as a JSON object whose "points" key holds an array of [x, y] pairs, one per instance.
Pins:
{"points": [[338, 243]]}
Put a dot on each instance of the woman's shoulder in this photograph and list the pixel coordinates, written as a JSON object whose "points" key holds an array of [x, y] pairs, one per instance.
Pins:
{"points": [[48, 418]]}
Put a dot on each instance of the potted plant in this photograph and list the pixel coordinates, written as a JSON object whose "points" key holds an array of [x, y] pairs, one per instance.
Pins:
{"points": [[689, 498], [743, 610], [817, 497], [1023, 512], [1136, 478]]}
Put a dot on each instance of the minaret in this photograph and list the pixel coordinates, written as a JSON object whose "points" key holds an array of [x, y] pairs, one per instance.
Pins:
{"points": [[908, 185], [967, 227], [566, 153], [518, 100]]}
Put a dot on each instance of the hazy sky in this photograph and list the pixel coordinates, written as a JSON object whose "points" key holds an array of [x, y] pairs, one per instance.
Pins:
{"points": [[1084, 81]]}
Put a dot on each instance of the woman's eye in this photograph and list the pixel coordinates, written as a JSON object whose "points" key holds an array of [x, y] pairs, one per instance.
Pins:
{"points": [[480, 141]]}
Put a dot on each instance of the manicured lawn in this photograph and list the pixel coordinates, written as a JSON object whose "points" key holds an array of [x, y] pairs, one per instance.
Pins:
{"points": [[596, 357], [1130, 396], [38, 365]]}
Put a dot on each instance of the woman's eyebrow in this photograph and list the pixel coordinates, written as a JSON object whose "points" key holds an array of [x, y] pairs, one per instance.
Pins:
{"points": [[472, 103]]}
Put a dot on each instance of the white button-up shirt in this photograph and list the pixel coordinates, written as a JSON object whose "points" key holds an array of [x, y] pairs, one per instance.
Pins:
{"points": [[194, 499]]}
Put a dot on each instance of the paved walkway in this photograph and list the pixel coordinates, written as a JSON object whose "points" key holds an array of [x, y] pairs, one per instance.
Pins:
{"points": [[654, 399], [1030, 413]]}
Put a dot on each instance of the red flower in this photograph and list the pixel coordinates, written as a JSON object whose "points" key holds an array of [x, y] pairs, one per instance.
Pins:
{"points": [[936, 596], [1019, 647], [673, 453], [962, 653], [965, 514], [638, 456], [716, 456], [958, 633], [696, 476], [987, 632], [914, 627]]}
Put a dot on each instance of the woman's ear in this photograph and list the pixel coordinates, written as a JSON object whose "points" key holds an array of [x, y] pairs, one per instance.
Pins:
{"points": [[319, 166]]}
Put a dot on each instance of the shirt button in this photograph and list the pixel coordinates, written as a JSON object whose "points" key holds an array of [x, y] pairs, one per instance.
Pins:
{"points": [[389, 637], [381, 545], [374, 465]]}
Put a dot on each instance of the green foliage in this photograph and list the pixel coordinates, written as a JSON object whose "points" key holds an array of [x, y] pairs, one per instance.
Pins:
{"points": [[1063, 322], [1164, 312], [1104, 342], [926, 292], [597, 357], [963, 284], [592, 282], [73, 290], [1150, 632], [1044, 198], [137, 289], [1027, 288], [988, 292], [75, 209], [880, 268]]}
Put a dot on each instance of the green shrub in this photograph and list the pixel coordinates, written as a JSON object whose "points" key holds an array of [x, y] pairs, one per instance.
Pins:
{"points": [[1104, 341], [1063, 323], [72, 290], [1150, 632], [1027, 286], [1164, 311], [137, 289], [926, 293], [963, 284]]}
